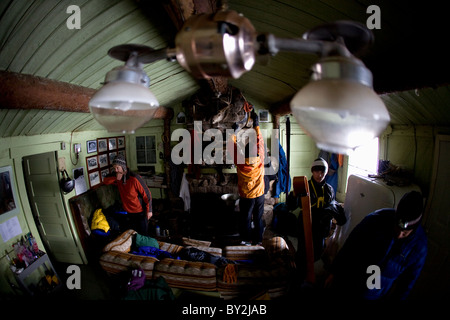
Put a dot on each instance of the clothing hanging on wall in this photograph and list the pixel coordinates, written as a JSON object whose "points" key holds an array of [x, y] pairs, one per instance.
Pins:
{"points": [[284, 179], [334, 163], [184, 193]]}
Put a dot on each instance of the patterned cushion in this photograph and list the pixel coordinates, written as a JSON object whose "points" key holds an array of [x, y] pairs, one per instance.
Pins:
{"points": [[254, 277], [187, 274], [107, 195], [174, 249], [116, 262], [196, 243], [212, 250], [122, 243], [84, 205], [244, 252]]}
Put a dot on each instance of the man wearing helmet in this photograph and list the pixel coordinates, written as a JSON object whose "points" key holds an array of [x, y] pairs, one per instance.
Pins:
{"points": [[393, 241], [324, 207]]}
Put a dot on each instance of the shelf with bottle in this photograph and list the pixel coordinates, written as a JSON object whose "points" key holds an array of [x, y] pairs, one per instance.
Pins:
{"points": [[25, 252]]}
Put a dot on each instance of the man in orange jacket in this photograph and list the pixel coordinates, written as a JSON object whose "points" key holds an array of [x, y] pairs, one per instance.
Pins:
{"points": [[250, 173], [134, 193]]}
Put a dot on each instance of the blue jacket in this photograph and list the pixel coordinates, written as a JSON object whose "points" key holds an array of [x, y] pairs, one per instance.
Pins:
{"points": [[283, 174], [372, 242]]}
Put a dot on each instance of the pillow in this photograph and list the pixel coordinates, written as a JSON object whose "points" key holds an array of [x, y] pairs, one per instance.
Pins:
{"points": [[144, 241]]}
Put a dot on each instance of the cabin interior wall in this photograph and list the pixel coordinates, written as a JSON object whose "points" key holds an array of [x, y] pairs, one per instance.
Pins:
{"points": [[411, 147]]}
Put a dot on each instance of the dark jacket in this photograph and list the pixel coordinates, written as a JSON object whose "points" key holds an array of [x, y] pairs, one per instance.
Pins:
{"points": [[372, 242], [324, 208], [329, 207]]}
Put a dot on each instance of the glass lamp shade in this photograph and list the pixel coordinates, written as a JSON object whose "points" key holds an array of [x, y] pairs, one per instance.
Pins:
{"points": [[123, 106], [338, 114]]}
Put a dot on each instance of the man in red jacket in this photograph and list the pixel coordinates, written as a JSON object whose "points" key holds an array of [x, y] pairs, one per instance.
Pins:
{"points": [[134, 193]]}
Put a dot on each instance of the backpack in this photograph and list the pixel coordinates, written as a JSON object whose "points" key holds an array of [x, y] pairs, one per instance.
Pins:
{"points": [[156, 290]]}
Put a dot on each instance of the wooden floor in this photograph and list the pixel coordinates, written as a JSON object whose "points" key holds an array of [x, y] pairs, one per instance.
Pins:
{"points": [[95, 284]]}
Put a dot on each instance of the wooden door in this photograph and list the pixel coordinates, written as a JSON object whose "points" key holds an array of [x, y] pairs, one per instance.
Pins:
{"points": [[434, 281], [46, 201]]}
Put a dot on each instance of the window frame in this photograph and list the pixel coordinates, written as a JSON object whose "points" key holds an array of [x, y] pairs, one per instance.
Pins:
{"points": [[146, 149], [363, 168]]}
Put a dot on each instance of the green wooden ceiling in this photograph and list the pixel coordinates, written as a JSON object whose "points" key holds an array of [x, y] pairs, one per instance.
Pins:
{"points": [[35, 40]]}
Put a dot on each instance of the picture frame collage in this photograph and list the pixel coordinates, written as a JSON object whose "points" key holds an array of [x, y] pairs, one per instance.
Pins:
{"points": [[100, 165]]}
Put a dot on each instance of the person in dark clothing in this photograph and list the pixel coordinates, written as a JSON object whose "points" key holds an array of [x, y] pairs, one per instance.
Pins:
{"points": [[384, 254], [324, 207], [135, 195]]}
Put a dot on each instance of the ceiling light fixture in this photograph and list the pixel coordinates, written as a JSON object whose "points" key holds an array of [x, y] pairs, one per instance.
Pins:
{"points": [[337, 108], [222, 44], [125, 103]]}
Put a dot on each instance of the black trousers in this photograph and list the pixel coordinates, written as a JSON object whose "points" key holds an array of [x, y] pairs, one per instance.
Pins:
{"points": [[135, 221], [251, 209]]}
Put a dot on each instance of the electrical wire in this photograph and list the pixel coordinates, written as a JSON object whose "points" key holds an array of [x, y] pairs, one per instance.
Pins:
{"points": [[71, 139]]}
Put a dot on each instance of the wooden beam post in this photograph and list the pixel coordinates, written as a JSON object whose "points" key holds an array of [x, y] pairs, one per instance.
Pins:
{"points": [[22, 91]]}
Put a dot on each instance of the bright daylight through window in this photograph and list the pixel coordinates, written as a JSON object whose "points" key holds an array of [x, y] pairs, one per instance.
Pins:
{"points": [[364, 160]]}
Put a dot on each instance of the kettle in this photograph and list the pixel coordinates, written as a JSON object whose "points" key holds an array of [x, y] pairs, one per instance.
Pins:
{"points": [[67, 184]]}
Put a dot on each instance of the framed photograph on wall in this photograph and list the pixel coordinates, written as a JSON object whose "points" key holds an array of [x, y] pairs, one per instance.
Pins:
{"points": [[91, 163], [103, 160], [91, 146], [94, 178], [263, 116], [9, 203], [112, 143], [102, 145], [104, 173], [112, 156], [120, 142]]}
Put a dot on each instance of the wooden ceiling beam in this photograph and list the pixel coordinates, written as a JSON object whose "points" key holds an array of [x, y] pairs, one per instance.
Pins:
{"points": [[22, 91], [180, 10]]}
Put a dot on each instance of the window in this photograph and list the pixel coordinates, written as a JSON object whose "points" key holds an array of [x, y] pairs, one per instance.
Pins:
{"points": [[364, 160], [146, 150]]}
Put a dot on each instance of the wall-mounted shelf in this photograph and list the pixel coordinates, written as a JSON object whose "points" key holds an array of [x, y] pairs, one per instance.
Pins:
{"points": [[42, 261]]}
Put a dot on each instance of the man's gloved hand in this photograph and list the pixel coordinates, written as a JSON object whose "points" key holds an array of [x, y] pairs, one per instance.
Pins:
{"points": [[255, 118], [235, 127]]}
